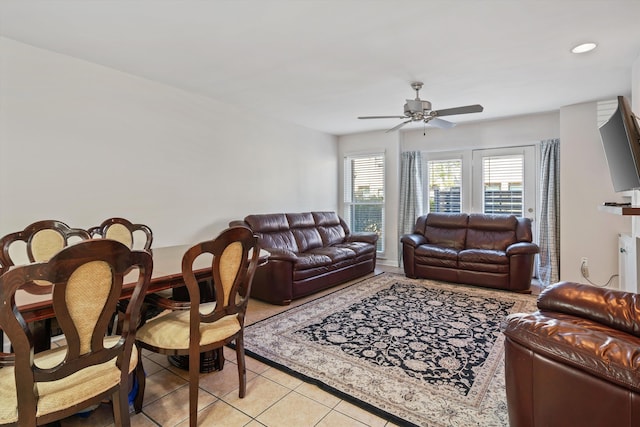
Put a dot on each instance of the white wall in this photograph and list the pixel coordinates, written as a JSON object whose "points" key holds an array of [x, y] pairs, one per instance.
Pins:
{"points": [[585, 184], [512, 131], [80, 143]]}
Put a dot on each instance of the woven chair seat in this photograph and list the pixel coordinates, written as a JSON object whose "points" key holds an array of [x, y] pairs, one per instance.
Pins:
{"points": [[64, 393]]}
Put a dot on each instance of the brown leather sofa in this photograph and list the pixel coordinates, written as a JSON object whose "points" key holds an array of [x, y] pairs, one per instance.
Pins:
{"points": [[495, 251], [575, 361], [310, 251]]}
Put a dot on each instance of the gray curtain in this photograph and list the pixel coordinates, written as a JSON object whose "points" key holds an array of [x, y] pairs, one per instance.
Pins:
{"points": [[549, 229], [411, 199]]}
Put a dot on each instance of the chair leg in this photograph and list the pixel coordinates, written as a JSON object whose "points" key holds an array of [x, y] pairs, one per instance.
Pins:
{"points": [[194, 379], [242, 370], [220, 358], [120, 402], [142, 382]]}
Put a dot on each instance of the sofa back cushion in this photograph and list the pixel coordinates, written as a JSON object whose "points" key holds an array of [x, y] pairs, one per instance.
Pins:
{"points": [[304, 230], [445, 229], [331, 228], [297, 232], [493, 232], [272, 231]]}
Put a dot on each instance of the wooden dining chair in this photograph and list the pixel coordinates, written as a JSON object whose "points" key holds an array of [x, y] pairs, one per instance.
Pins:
{"points": [[40, 240], [191, 328], [124, 231], [87, 281]]}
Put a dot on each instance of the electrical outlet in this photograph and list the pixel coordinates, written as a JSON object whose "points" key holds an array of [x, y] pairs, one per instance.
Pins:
{"points": [[584, 267]]}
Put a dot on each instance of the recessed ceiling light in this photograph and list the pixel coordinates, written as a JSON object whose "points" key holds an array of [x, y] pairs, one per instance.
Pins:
{"points": [[584, 47]]}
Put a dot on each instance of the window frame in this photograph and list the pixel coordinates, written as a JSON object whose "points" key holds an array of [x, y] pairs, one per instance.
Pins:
{"points": [[427, 180], [500, 167], [348, 196]]}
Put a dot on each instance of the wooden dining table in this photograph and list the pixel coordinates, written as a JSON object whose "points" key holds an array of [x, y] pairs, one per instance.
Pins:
{"points": [[37, 310], [167, 274]]}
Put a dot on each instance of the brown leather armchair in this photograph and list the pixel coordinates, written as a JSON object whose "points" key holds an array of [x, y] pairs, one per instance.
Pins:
{"points": [[575, 361]]}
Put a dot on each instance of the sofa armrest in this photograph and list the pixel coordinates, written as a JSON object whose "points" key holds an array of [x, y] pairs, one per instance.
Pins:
{"points": [[522, 248], [617, 309], [239, 223], [281, 254], [366, 237], [586, 345], [413, 240]]}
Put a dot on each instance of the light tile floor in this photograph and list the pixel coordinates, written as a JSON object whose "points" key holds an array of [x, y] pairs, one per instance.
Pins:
{"points": [[273, 398]]}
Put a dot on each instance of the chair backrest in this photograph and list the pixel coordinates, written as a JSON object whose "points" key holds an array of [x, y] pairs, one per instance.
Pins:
{"points": [[124, 231], [87, 281], [42, 240], [235, 258]]}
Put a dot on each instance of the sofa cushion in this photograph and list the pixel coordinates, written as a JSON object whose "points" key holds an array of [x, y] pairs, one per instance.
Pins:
{"points": [[446, 229], [485, 256], [331, 235], [304, 230], [360, 248], [435, 251], [334, 252], [485, 260], [436, 256], [308, 260], [279, 240], [493, 232], [329, 227], [267, 223], [446, 237], [322, 219], [300, 220], [307, 239]]}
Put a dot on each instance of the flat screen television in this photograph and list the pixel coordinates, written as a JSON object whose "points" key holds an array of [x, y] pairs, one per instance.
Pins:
{"points": [[621, 141]]}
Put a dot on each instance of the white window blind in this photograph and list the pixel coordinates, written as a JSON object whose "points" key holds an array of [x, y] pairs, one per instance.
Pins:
{"points": [[445, 185], [502, 180], [364, 194]]}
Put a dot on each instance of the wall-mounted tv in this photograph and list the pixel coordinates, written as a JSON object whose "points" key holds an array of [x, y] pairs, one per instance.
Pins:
{"points": [[621, 141]]}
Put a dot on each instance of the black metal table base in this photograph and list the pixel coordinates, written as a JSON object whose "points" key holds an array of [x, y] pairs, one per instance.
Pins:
{"points": [[209, 361]]}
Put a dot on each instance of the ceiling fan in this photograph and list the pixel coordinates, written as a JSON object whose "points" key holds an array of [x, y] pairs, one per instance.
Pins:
{"points": [[417, 110]]}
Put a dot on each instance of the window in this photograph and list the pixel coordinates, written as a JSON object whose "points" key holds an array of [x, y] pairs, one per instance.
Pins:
{"points": [[364, 194], [502, 179], [445, 185], [487, 180]]}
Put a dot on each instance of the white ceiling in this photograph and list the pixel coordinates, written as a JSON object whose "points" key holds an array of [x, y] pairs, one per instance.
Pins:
{"points": [[321, 64]]}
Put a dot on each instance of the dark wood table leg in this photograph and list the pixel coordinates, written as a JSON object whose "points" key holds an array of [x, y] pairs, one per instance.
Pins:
{"points": [[41, 331]]}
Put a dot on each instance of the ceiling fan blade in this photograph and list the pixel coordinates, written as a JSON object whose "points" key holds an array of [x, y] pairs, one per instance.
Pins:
{"points": [[397, 126], [476, 108], [440, 123], [383, 117]]}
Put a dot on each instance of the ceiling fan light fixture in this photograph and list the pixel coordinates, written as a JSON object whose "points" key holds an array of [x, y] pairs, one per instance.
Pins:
{"points": [[420, 110], [584, 47]]}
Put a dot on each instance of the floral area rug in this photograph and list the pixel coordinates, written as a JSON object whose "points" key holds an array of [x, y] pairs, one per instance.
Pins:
{"points": [[417, 352]]}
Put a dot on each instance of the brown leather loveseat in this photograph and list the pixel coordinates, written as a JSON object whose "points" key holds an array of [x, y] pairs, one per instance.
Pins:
{"points": [[576, 361], [310, 251], [478, 249]]}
